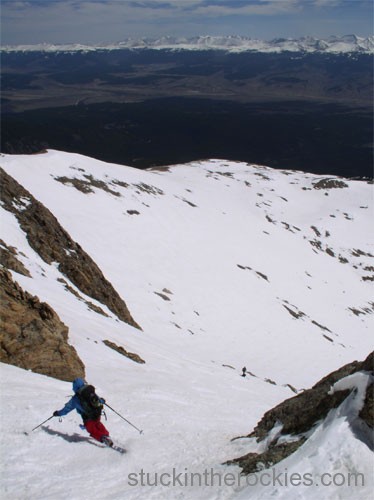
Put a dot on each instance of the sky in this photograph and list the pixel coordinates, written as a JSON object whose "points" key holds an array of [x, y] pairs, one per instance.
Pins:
{"points": [[99, 21]]}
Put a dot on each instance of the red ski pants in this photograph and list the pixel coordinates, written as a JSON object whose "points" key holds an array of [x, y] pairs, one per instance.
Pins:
{"points": [[96, 429]]}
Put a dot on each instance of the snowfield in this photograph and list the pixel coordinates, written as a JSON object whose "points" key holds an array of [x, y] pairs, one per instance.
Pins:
{"points": [[223, 265]]}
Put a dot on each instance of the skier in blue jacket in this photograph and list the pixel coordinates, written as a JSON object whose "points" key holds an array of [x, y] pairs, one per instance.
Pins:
{"points": [[89, 407]]}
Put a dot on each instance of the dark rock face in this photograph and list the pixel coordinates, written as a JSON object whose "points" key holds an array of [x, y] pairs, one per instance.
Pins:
{"points": [[46, 236], [33, 336], [253, 462], [121, 350], [367, 412], [330, 184], [300, 413], [8, 259]]}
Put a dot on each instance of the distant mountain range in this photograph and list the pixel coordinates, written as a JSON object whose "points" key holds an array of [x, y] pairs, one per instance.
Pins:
{"points": [[172, 100], [332, 44]]}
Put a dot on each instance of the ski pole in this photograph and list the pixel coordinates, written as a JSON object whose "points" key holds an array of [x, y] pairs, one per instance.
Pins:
{"points": [[116, 412], [41, 423]]}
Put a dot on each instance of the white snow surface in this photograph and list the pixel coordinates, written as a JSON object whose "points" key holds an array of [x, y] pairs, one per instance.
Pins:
{"points": [[333, 463], [229, 244], [308, 44]]}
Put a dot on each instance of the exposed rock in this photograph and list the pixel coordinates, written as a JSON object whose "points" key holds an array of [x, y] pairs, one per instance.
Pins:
{"points": [[32, 335], [8, 259], [321, 326], [299, 414], [162, 295], [189, 203], [297, 315], [356, 252], [292, 388], [121, 350], [368, 364], [368, 278], [253, 462], [262, 275], [89, 304], [329, 184], [86, 185], [367, 412], [145, 188], [46, 236]]}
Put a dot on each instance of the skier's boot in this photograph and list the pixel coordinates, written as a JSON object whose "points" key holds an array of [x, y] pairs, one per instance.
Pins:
{"points": [[107, 441]]}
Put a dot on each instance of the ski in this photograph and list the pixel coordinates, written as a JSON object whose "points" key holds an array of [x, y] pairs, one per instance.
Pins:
{"points": [[118, 448], [111, 444]]}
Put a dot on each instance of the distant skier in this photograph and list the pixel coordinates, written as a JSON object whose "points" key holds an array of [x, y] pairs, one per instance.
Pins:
{"points": [[89, 406], [244, 371]]}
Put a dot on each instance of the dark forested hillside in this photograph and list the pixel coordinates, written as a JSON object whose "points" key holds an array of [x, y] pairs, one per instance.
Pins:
{"points": [[311, 112]]}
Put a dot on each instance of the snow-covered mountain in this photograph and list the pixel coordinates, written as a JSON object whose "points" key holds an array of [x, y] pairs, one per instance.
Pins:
{"points": [[223, 265], [333, 44]]}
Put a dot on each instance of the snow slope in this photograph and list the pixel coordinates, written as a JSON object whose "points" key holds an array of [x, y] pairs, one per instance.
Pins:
{"points": [[332, 459], [261, 270]]}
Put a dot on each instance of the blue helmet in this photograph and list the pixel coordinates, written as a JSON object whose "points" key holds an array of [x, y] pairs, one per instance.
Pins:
{"points": [[78, 383]]}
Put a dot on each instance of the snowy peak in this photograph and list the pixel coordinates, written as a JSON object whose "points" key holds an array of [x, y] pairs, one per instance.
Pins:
{"points": [[333, 44]]}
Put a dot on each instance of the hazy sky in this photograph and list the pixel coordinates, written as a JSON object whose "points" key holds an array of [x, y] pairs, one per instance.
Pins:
{"points": [[94, 21]]}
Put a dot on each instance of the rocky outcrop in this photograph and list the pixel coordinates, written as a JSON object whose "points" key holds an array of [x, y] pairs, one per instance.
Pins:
{"points": [[367, 412], [330, 184], [253, 462], [299, 414], [9, 260], [32, 336], [121, 350], [46, 236]]}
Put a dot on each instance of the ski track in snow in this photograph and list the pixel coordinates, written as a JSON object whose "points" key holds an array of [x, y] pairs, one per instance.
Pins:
{"points": [[240, 252]]}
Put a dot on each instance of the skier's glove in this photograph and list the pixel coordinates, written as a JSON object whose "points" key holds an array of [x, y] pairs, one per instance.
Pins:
{"points": [[56, 413], [102, 401]]}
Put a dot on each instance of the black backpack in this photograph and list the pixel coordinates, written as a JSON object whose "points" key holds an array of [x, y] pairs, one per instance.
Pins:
{"points": [[90, 403]]}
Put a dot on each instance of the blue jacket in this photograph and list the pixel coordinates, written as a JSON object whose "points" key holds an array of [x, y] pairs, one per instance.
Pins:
{"points": [[73, 403]]}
